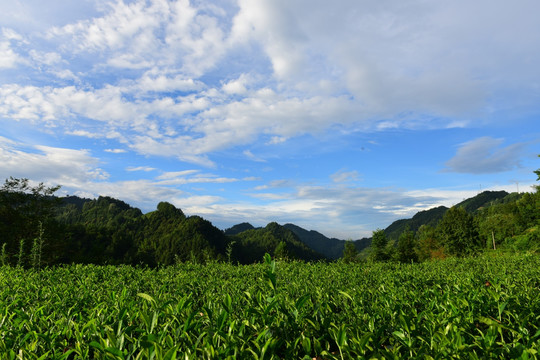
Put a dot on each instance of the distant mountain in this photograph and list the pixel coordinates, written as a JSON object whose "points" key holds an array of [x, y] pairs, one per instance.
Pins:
{"points": [[274, 239], [427, 217], [433, 216], [330, 247], [238, 228], [482, 200]]}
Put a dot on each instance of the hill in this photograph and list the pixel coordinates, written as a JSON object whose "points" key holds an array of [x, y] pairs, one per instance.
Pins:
{"points": [[274, 239], [330, 247], [238, 228], [432, 216]]}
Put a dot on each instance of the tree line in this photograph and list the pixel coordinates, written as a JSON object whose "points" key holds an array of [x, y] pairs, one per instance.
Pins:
{"points": [[39, 229], [489, 221]]}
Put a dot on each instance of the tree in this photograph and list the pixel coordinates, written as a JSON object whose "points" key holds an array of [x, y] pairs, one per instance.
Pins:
{"points": [[406, 247], [429, 246], [280, 251], [458, 232], [25, 211], [350, 254], [378, 245]]}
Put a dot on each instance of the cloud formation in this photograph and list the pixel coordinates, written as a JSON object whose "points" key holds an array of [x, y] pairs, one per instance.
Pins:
{"points": [[223, 96], [354, 64], [485, 156]]}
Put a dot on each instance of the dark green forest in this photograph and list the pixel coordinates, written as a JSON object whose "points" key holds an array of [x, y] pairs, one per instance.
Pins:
{"points": [[40, 229]]}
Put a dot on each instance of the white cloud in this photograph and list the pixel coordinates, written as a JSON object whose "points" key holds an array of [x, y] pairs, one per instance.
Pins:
{"points": [[140, 168], [115, 151], [48, 58], [485, 156], [253, 157], [347, 64], [49, 164], [345, 176], [237, 86], [10, 58]]}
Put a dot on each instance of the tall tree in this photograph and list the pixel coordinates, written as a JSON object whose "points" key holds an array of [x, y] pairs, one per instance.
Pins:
{"points": [[378, 244], [406, 247], [458, 232], [350, 254], [25, 213], [429, 245]]}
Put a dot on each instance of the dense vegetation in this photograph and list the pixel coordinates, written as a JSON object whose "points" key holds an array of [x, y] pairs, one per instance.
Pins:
{"points": [[37, 228], [109, 231], [484, 307], [490, 220], [206, 305]]}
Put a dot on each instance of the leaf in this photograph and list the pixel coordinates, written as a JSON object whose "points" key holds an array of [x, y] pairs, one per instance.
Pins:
{"points": [[146, 297]]}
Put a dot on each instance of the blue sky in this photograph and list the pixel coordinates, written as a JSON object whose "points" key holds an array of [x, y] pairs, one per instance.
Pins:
{"points": [[340, 117]]}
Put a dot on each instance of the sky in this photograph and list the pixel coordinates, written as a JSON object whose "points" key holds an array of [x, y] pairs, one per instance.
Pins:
{"points": [[337, 116]]}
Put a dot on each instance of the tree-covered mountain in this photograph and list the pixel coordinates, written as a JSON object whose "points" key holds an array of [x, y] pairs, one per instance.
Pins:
{"points": [[250, 245], [432, 216], [330, 247], [37, 228], [109, 231], [238, 228], [427, 217], [489, 220]]}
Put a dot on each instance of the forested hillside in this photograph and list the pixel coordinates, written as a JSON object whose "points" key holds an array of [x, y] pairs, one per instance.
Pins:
{"points": [[490, 220], [38, 228]]}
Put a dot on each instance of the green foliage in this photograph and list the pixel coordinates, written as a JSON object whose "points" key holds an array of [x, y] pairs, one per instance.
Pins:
{"points": [[330, 247], [458, 232], [429, 217], [281, 251], [20, 256], [37, 248], [429, 245], [256, 242], [23, 208], [3, 255], [350, 254], [479, 308], [406, 248], [379, 243]]}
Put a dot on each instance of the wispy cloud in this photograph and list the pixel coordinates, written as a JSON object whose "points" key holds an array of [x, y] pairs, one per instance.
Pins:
{"points": [[485, 155], [140, 168], [185, 84], [50, 164], [345, 176]]}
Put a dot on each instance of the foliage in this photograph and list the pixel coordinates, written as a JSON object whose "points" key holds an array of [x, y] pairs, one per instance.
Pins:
{"points": [[254, 243], [429, 245], [25, 211], [330, 247], [458, 232], [479, 308], [406, 248], [429, 217], [350, 254], [379, 243]]}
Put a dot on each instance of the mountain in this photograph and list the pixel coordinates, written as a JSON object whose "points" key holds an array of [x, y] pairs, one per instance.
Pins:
{"points": [[482, 200], [330, 247], [432, 216], [274, 239], [426, 217], [238, 228]]}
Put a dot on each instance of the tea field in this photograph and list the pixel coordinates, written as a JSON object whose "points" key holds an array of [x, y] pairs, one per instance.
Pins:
{"points": [[474, 308]]}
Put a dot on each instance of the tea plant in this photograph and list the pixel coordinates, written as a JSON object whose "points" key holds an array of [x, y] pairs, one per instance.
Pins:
{"points": [[488, 307]]}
